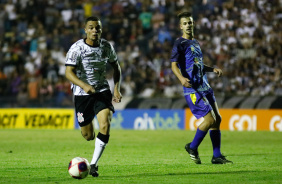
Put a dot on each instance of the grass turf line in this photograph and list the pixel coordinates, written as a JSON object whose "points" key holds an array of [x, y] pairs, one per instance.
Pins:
{"points": [[42, 156]]}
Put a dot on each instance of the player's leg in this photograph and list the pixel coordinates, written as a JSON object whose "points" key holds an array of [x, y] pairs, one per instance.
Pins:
{"points": [[85, 114], [88, 132], [192, 148], [104, 112], [215, 133], [102, 139], [199, 107], [202, 130]]}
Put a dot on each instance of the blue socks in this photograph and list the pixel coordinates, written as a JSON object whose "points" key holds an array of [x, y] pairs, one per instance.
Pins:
{"points": [[215, 138], [200, 135], [216, 141]]}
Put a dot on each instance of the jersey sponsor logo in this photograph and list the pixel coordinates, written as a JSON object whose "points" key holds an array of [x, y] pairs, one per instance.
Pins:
{"points": [[80, 117], [243, 122], [275, 123]]}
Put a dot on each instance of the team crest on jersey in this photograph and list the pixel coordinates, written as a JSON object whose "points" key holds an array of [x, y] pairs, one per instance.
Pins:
{"points": [[80, 117], [192, 48]]}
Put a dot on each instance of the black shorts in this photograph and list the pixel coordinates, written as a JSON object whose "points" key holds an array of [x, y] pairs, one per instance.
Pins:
{"points": [[88, 106]]}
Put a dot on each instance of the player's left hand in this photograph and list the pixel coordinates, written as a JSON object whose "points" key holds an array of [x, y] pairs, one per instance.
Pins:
{"points": [[218, 71], [117, 96]]}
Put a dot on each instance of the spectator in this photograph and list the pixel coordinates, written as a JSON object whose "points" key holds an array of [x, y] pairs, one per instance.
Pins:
{"points": [[243, 39], [22, 96]]}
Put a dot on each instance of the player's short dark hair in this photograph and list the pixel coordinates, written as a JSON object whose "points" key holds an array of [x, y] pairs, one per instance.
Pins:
{"points": [[92, 19], [184, 14]]}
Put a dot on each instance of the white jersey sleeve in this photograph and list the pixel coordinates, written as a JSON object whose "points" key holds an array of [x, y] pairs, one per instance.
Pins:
{"points": [[74, 55]]}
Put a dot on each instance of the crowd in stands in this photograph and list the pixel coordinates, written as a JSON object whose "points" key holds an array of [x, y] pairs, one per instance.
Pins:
{"points": [[242, 37]]}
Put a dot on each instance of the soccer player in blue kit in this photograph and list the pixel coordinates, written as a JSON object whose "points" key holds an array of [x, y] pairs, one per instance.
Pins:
{"points": [[187, 64]]}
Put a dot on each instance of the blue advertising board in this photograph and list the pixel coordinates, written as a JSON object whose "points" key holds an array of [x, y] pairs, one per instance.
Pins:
{"points": [[146, 119]]}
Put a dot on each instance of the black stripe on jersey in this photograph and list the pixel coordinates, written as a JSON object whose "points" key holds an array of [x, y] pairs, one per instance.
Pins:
{"points": [[69, 65]]}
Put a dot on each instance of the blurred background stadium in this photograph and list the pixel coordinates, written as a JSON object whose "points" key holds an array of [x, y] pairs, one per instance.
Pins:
{"points": [[243, 37]]}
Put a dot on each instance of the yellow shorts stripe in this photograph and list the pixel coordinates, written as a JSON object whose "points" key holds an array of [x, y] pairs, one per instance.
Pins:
{"points": [[193, 98]]}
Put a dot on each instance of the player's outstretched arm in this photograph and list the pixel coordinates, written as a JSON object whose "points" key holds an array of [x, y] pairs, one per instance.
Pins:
{"points": [[218, 71], [117, 81], [184, 81], [70, 75]]}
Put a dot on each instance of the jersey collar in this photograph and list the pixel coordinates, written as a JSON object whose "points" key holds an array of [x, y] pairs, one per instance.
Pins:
{"points": [[84, 40]]}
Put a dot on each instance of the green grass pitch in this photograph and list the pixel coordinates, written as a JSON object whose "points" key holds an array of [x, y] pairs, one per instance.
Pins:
{"points": [[42, 156]]}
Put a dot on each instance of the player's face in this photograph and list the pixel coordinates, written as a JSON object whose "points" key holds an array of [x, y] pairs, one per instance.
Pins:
{"points": [[93, 30], [187, 25]]}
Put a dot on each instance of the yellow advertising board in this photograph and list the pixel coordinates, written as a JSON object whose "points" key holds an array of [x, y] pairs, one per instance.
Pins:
{"points": [[232, 119], [242, 119], [37, 118]]}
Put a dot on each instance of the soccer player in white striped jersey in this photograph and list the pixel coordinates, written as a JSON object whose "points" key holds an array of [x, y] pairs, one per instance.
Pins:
{"points": [[86, 63]]}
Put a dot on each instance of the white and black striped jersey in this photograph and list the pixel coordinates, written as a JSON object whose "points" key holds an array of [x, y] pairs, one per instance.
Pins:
{"points": [[90, 64]]}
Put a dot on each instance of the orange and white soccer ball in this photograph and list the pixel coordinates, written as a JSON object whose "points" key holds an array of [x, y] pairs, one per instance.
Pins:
{"points": [[79, 168]]}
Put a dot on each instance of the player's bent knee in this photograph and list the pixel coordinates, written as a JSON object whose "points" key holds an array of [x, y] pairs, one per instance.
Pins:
{"points": [[88, 136]]}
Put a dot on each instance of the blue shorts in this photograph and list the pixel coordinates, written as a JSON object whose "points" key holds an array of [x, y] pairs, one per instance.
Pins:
{"points": [[199, 102]]}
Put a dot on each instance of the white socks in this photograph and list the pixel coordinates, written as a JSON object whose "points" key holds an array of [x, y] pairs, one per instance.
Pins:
{"points": [[98, 151]]}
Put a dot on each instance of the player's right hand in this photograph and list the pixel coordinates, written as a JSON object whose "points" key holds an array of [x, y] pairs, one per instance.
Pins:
{"points": [[186, 82], [117, 96], [89, 89]]}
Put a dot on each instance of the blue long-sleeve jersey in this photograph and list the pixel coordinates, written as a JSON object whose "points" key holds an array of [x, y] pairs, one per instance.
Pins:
{"points": [[188, 55]]}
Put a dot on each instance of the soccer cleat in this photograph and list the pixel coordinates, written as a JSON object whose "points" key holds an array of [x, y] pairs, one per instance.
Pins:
{"points": [[94, 171], [220, 160], [194, 155]]}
